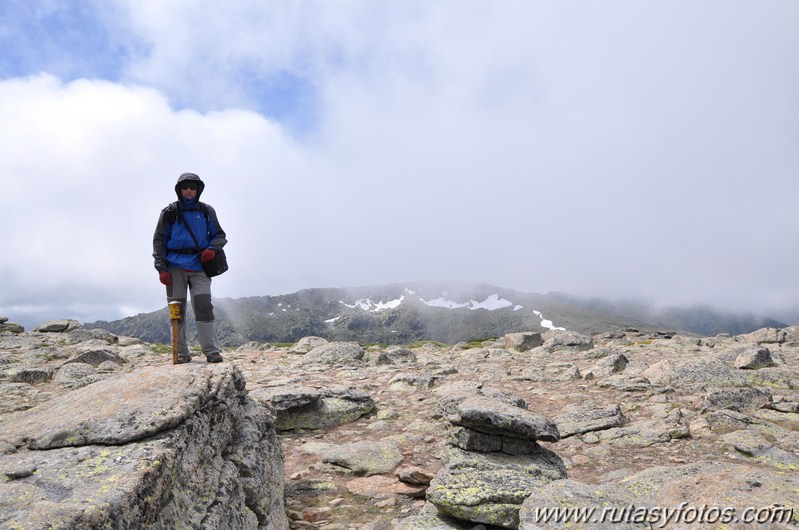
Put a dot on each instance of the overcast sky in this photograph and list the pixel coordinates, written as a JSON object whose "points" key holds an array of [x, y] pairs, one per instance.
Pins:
{"points": [[600, 148]]}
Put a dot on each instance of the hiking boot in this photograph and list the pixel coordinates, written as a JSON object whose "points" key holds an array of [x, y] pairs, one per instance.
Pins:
{"points": [[214, 358], [184, 360]]}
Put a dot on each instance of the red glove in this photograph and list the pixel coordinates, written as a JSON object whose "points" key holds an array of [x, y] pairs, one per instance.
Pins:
{"points": [[165, 278], [207, 255]]}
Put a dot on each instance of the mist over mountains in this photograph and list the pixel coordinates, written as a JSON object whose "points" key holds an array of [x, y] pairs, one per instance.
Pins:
{"points": [[448, 313]]}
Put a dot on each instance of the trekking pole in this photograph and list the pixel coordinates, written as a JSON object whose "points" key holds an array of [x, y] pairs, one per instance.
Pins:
{"points": [[174, 317]]}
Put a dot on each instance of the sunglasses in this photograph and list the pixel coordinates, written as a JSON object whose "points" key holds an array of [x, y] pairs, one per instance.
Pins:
{"points": [[189, 186]]}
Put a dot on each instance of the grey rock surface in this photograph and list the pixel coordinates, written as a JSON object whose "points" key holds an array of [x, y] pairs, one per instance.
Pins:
{"points": [[395, 355], [309, 408], [490, 488], [754, 359], [694, 373], [306, 344], [365, 457], [580, 419], [96, 357], [490, 416], [75, 375], [159, 447], [58, 326], [570, 494], [612, 364], [694, 427], [555, 340], [10, 327], [335, 353], [522, 341]]}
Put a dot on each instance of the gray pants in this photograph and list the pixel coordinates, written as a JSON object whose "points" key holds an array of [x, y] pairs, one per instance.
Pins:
{"points": [[200, 287]]}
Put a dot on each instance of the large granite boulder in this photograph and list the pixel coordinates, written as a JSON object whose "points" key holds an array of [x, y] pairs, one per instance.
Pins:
{"points": [[522, 341], [58, 326], [159, 448]]}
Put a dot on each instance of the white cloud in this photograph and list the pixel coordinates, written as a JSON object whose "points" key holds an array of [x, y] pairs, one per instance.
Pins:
{"points": [[87, 167], [611, 150]]}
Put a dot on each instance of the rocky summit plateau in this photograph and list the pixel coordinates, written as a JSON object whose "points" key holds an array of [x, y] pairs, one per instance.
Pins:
{"points": [[630, 428]]}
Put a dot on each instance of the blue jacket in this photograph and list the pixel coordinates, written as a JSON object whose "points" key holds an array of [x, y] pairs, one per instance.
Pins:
{"points": [[172, 244]]}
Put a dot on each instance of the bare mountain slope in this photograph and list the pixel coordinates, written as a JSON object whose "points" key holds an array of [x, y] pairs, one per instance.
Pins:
{"points": [[404, 313]]}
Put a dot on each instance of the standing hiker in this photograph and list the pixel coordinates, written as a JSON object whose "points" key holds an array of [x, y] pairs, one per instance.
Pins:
{"points": [[187, 235]]}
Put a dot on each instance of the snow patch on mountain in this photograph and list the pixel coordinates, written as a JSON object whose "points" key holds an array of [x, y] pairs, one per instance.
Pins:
{"points": [[547, 323], [491, 303], [368, 305], [440, 302]]}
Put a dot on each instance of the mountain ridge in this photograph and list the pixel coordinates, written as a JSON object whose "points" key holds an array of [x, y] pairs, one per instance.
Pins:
{"points": [[451, 312]]}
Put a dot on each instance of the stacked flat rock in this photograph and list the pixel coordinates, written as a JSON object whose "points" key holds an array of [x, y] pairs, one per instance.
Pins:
{"points": [[494, 461], [6, 326], [302, 407]]}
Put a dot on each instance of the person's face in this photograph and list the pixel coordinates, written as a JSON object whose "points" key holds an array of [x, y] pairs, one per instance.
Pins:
{"points": [[188, 190]]}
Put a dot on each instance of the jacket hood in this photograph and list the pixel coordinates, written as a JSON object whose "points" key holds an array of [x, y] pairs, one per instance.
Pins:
{"points": [[189, 176]]}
